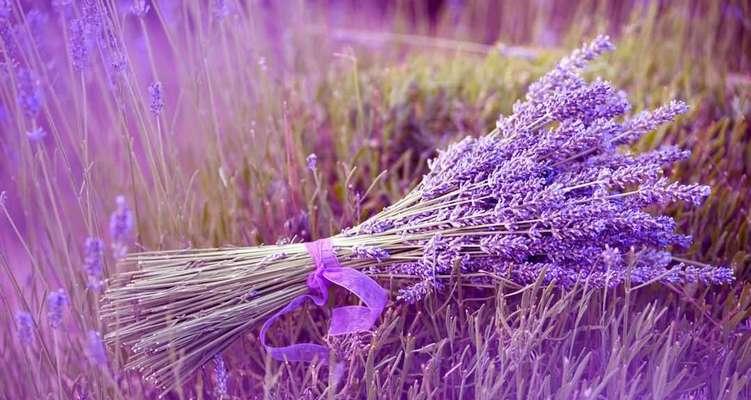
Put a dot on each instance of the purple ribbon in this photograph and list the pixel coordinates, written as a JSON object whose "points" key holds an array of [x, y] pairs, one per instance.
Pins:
{"points": [[345, 319]]}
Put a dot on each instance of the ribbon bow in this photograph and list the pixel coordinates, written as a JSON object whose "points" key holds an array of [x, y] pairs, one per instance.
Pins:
{"points": [[345, 319]]}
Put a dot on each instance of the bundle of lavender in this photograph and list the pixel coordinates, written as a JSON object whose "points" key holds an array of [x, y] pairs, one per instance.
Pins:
{"points": [[545, 194]]}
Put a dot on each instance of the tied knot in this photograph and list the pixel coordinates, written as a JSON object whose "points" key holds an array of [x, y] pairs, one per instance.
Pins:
{"points": [[344, 319]]}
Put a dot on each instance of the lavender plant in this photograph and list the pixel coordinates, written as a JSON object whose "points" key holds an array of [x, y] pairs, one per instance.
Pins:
{"points": [[547, 194]]}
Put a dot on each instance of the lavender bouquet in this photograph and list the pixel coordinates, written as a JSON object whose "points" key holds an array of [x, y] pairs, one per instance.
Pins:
{"points": [[546, 195]]}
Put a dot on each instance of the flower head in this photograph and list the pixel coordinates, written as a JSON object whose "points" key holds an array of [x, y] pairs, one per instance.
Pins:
{"points": [[312, 161], [122, 223], [37, 134], [56, 302], [95, 349], [221, 375], [156, 104], [221, 9], [80, 44], [30, 94], [25, 326], [94, 262], [139, 8]]}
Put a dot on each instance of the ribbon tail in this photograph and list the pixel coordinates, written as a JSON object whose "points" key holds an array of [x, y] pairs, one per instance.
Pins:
{"points": [[307, 352], [353, 319], [350, 319]]}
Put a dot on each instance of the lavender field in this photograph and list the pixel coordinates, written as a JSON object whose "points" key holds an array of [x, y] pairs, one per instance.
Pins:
{"points": [[130, 126]]}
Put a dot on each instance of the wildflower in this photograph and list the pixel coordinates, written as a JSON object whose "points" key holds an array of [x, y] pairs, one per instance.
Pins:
{"points": [[122, 223], [61, 5], [36, 134], [93, 262], [30, 94], [6, 9], [370, 253], [25, 325], [157, 100], [221, 375], [80, 44], [56, 302], [312, 161], [221, 9], [113, 55], [139, 8], [95, 350], [36, 21]]}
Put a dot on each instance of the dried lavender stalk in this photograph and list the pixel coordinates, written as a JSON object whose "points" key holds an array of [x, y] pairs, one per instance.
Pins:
{"points": [[546, 193]]}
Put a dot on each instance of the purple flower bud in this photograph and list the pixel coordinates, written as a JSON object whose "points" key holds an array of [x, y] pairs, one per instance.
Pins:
{"points": [[139, 8], [370, 253], [30, 94], [157, 98], [95, 349], [221, 375], [56, 302], [94, 262], [6, 10], [311, 161], [37, 134], [122, 223], [221, 9], [80, 44], [25, 326]]}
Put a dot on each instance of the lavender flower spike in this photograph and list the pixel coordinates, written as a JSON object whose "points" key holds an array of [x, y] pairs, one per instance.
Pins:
{"points": [[311, 161], [370, 253], [221, 375], [25, 325], [94, 262], [30, 94], [157, 98], [122, 223], [56, 302], [95, 349], [140, 8], [37, 134]]}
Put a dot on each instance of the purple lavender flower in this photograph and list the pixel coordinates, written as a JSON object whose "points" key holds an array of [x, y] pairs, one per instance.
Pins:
{"points": [[370, 253], [56, 302], [61, 5], [25, 326], [221, 9], [139, 8], [122, 223], [36, 21], [311, 161], [647, 121], [113, 54], [80, 43], [549, 195], [6, 9], [37, 134], [94, 262], [95, 349], [156, 104], [221, 376], [30, 94]]}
